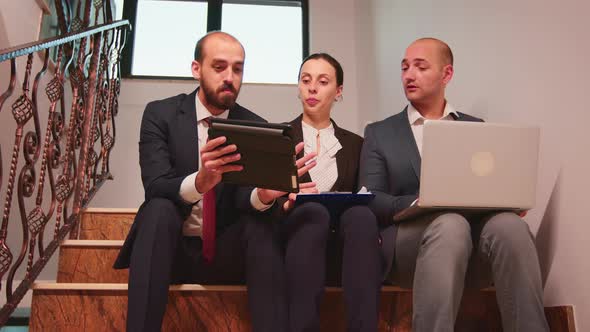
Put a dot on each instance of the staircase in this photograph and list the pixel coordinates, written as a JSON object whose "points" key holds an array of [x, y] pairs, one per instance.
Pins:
{"points": [[90, 296]]}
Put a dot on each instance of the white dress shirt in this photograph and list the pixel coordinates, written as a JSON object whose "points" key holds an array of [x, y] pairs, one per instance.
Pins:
{"points": [[325, 172], [193, 224], [417, 122]]}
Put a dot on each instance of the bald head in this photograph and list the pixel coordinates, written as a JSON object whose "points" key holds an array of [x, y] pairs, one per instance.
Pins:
{"points": [[200, 48], [427, 68], [445, 55]]}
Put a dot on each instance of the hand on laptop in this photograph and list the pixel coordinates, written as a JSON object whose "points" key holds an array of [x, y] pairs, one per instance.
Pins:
{"points": [[303, 164]]}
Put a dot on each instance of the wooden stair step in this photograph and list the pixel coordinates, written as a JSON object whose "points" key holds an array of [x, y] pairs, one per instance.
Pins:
{"points": [[106, 223], [88, 307], [89, 261], [101, 293]]}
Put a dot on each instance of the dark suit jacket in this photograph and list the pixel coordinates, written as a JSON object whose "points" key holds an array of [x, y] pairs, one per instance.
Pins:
{"points": [[169, 151], [390, 168]]}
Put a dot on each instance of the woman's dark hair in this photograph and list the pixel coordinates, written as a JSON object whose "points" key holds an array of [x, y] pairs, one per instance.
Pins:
{"points": [[330, 59]]}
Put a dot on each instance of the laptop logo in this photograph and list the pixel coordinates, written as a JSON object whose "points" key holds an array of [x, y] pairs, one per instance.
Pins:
{"points": [[482, 163]]}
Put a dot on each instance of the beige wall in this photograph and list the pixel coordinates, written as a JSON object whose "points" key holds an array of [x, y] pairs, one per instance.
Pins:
{"points": [[524, 62]]}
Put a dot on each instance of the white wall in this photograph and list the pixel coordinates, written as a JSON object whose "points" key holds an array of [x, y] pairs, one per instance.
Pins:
{"points": [[524, 62]]}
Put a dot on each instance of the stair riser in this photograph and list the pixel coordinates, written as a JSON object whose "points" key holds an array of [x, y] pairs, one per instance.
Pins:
{"points": [[105, 226], [55, 310], [89, 265]]}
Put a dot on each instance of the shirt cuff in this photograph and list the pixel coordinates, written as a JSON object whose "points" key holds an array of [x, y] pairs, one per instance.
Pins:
{"points": [[257, 203], [188, 191]]}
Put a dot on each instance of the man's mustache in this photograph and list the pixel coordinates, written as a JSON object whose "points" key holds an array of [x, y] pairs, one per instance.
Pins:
{"points": [[229, 87]]}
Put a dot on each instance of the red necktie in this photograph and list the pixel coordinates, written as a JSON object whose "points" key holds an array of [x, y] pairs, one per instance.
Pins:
{"points": [[209, 225], [209, 216]]}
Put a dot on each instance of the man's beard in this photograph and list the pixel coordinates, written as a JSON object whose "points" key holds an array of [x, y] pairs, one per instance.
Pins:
{"points": [[226, 101]]}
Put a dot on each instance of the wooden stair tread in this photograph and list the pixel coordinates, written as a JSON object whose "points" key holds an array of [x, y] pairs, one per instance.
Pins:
{"points": [[98, 210], [58, 307], [181, 287], [93, 243]]}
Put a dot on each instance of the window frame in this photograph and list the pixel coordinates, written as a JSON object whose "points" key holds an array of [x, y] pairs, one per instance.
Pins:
{"points": [[214, 12]]}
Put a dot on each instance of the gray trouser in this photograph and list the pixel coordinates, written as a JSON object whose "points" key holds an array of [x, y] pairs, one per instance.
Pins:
{"points": [[435, 256]]}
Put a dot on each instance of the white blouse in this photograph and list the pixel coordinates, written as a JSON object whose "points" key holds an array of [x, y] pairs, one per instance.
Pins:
{"points": [[325, 173]]}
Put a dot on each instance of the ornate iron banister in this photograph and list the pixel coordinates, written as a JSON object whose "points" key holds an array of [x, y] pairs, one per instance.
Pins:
{"points": [[57, 169], [13, 52]]}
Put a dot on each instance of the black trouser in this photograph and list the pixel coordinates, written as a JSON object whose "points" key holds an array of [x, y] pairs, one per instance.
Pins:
{"points": [[307, 234], [161, 256]]}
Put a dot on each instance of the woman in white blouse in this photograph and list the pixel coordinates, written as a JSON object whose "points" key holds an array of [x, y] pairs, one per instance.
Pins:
{"points": [[318, 245]]}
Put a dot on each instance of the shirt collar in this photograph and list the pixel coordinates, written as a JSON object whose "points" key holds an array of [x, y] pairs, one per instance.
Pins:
{"points": [[203, 112], [307, 127], [328, 140], [414, 115]]}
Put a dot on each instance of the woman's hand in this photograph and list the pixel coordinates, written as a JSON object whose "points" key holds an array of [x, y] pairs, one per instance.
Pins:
{"points": [[304, 188]]}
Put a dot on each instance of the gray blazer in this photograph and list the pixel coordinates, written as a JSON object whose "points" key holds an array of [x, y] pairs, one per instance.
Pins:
{"points": [[390, 168]]}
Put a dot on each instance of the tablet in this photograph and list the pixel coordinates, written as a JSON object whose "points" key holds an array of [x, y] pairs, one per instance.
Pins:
{"points": [[267, 153]]}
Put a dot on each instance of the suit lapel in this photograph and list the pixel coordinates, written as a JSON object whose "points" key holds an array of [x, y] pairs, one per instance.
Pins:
{"points": [[297, 129], [298, 137], [408, 142], [341, 157], [188, 136]]}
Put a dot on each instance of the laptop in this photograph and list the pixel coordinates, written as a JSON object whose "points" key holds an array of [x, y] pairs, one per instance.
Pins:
{"points": [[469, 166]]}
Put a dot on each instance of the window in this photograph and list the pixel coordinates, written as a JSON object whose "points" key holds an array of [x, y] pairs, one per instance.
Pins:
{"points": [[273, 32]]}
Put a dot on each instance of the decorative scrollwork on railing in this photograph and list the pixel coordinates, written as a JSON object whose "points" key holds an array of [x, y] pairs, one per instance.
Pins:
{"points": [[62, 142]]}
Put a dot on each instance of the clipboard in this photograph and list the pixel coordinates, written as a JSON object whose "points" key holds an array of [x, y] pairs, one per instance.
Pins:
{"points": [[335, 202], [267, 153]]}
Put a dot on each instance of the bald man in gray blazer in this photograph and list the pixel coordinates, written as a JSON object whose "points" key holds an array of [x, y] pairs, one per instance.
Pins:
{"points": [[438, 254]]}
